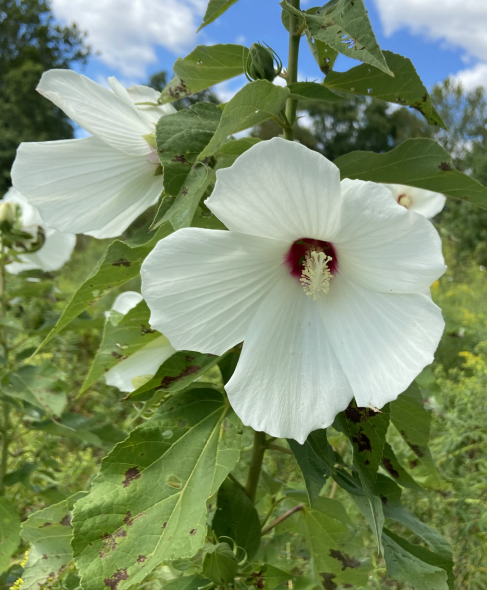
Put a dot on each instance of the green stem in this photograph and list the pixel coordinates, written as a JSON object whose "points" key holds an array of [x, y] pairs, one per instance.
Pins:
{"points": [[280, 449], [287, 514], [292, 68], [255, 465]]}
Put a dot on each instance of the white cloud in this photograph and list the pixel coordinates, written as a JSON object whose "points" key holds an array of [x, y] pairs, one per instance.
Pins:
{"points": [[461, 23], [127, 32], [473, 77]]}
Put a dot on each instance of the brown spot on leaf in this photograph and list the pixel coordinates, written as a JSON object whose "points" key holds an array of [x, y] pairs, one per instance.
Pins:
{"points": [[128, 520], [46, 524], [328, 582], [259, 579], [118, 356], [166, 382], [44, 556], [141, 558], [164, 525], [66, 520], [445, 167], [111, 542], [130, 475], [390, 468], [181, 159], [362, 441], [417, 449], [189, 358], [113, 581], [192, 532], [145, 330], [347, 560], [185, 190], [357, 415], [122, 262], [384, 500]]}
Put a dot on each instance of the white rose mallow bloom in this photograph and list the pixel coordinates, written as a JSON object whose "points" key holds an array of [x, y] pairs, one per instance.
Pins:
{"points": [[100, 184], [324, 282], [427, 203], [143, 364], [56, 249]]}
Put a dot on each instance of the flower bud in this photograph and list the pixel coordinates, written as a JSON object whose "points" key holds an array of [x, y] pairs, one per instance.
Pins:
{"points": [[8, 213], [260, 63]]}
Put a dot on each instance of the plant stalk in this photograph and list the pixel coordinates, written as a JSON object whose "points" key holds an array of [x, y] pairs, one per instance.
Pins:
{"points": [[255, 465], [287, 514], [292, 69]]}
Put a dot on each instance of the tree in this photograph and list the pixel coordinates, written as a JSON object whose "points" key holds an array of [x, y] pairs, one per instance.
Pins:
{"points": [[31, 43]]}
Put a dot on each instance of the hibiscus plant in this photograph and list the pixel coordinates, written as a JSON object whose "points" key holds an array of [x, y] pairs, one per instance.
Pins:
{"points": [[285, 312]]}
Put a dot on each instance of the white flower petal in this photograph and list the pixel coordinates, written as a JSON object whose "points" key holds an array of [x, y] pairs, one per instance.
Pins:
{"points": [[427, 203], [144, 362], [126, 301], [384, 247], [279, 189], [140, 94], [98, 110], [203, 286], [288, 381], [29, 215], [82, 185], [55, 252], [381, 341]]}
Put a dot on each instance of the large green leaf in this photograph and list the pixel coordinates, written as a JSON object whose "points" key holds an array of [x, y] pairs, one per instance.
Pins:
{"points": [[180, 138], [49, 533], [42, 386], [179, 371], [204, 67], [412, 564], [232, 149], [215, 9], [237, 518], [405, 88], [148, 504], [417, 162], [312, 91], [120, 340], [120, 263], [324, 55], [344, 25], [9, 532], [256, 102], [366, 430], [334, 547]]}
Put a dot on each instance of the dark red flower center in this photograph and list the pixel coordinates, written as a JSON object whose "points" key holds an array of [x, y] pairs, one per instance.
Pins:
{"points": [[296, 256]]}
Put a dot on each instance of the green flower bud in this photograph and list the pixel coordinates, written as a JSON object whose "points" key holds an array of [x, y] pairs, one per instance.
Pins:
{"points": [[8, 213], [260, 63]]}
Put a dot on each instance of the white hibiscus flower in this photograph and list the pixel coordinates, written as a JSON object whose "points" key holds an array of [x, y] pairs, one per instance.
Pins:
{"points": [[56, 249], [421, 201], [97, 185], [324, 282], [143, 364]]}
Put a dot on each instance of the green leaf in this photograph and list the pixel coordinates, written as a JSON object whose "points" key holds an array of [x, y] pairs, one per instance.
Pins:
{"points": [[175, 374], [215, 9], [316, 461], [270, 577], [366, 430], [120, 263], [9, 532], [148, 504], [122, 340], [49, 533], [413, 422], [184, 207], [312, 91], [324, 55], [220, 564], [391, 464], [390, 495], [202, 68], [412, 564], [334, 547], [256, 102], [180, 138], [186, 583], [43, 386], [237, 518], [405, 89], [232, 149], [344, 25], [417, 162]]}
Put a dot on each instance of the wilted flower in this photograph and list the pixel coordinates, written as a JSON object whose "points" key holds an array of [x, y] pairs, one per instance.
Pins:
{"points": [[143, 364], [97, 185], [421, 201], [55, 247], [327, 284]]}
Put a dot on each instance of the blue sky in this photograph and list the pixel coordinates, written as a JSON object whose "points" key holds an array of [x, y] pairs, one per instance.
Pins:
{"points": [[137, 38]]}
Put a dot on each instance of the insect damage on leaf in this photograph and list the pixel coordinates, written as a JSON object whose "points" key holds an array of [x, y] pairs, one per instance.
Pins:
{"points": [[130, 475], [122, 262], [111, 542], [445, 167], [113, 581], [347, 560], [389, 467]]}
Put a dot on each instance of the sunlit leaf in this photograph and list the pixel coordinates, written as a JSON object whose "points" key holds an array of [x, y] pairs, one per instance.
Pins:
{"points": [[417, 162], [313, 91], [9, 532], [405, 89], [215, 9], [148, 504], [202, 68]]}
